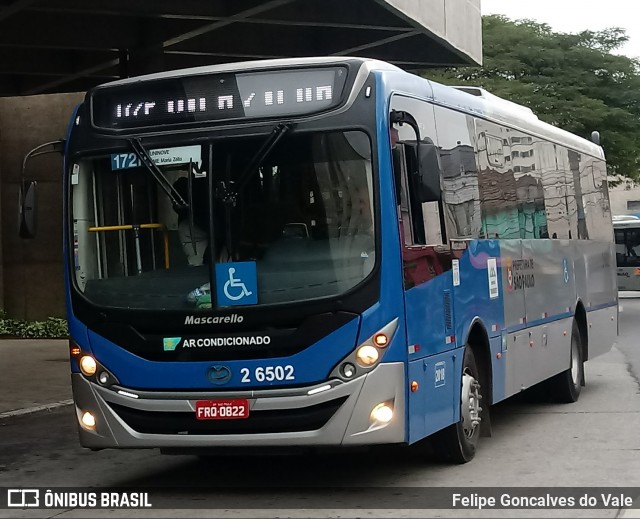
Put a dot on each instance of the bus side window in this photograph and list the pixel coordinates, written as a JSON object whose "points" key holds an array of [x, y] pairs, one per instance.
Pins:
{"points": [[633, 247]]}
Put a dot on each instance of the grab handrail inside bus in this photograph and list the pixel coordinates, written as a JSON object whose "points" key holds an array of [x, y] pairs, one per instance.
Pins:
{"points": [[129, 227]]}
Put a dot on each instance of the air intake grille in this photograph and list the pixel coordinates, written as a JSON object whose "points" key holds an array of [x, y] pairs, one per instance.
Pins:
{"points": [[448, 312]]}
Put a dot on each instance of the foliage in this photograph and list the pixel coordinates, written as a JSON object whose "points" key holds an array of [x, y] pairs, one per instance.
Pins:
{"points": [[52, 328], [570, 80]]}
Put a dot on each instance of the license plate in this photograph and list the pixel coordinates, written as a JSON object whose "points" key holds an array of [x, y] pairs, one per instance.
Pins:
{"points": [[234, 409]]}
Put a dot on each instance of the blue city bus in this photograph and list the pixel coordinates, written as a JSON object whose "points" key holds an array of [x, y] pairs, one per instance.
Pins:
{"points": [[324, 252]]}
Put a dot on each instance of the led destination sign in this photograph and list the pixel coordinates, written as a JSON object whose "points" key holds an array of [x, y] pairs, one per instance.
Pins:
{"points": [[214, 97]]}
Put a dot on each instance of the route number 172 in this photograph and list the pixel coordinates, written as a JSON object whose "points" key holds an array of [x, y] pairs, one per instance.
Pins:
{"points": [[124, 161]]}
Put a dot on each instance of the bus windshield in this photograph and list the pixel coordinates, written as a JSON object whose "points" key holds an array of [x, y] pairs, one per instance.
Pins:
{"points": [[303, 214]]}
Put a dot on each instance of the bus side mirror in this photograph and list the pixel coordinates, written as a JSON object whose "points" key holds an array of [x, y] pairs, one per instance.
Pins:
{"points": [[27, 209], [425, 171], [27, 203], [429, 173]]}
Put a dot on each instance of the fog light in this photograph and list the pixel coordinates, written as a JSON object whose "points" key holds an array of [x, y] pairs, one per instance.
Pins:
{"points": [[367, 356], [88, 365], [382, 413], [348, 370], [88, 420], [103, 377]]}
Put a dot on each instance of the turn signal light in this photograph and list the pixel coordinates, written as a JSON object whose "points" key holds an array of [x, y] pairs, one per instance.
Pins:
{"points": [[380, 340]]}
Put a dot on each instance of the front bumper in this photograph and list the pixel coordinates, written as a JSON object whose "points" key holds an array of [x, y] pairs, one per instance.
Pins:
{"points": [[336, 416]]}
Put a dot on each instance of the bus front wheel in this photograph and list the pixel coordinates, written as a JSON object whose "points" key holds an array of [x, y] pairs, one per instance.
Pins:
{"points": [[459, 441]]}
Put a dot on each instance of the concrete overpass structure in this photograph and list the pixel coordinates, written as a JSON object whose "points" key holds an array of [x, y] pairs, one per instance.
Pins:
{"points": [[49, 46], [51, 51]]}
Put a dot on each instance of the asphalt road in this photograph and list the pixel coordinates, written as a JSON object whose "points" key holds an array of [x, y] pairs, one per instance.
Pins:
{"points": [[629, 339]]}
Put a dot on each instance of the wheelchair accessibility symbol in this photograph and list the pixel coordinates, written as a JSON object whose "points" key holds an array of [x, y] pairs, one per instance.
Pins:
{"points": [[236, 283], [236, 286]]}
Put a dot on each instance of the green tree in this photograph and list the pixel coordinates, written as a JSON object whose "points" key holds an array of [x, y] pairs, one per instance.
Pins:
{"points": [[572, 81]]}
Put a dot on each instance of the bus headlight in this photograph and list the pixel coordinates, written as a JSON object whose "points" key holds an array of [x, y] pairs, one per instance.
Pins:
{"points": [[88, 365], [96, 372], [367, 355]]}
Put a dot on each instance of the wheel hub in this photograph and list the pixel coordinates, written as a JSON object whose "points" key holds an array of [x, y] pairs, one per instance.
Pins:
{"points": [[471, 408], [575, 365]]}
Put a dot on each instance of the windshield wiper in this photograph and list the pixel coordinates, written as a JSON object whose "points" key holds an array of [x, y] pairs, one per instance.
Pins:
{"points": [[176, 198], [271, 142], [228, 190]]}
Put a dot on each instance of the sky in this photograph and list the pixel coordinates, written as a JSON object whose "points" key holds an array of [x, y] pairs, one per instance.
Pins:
{"points": [[575, 16]]}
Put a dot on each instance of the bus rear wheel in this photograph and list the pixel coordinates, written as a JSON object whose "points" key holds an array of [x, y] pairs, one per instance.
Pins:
{"points": [[567, 385], [458, 442]]}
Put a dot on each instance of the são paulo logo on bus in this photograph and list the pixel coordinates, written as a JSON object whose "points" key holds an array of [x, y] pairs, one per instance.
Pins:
{"points": [[520, 273]]}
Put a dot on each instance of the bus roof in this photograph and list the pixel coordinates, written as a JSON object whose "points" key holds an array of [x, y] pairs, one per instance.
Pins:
{"points": [[264, 64], [479, 102], [625, 220]]}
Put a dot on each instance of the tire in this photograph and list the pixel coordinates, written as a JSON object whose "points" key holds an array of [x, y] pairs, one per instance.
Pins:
{"points": [[458, 442], [568, 384]]}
